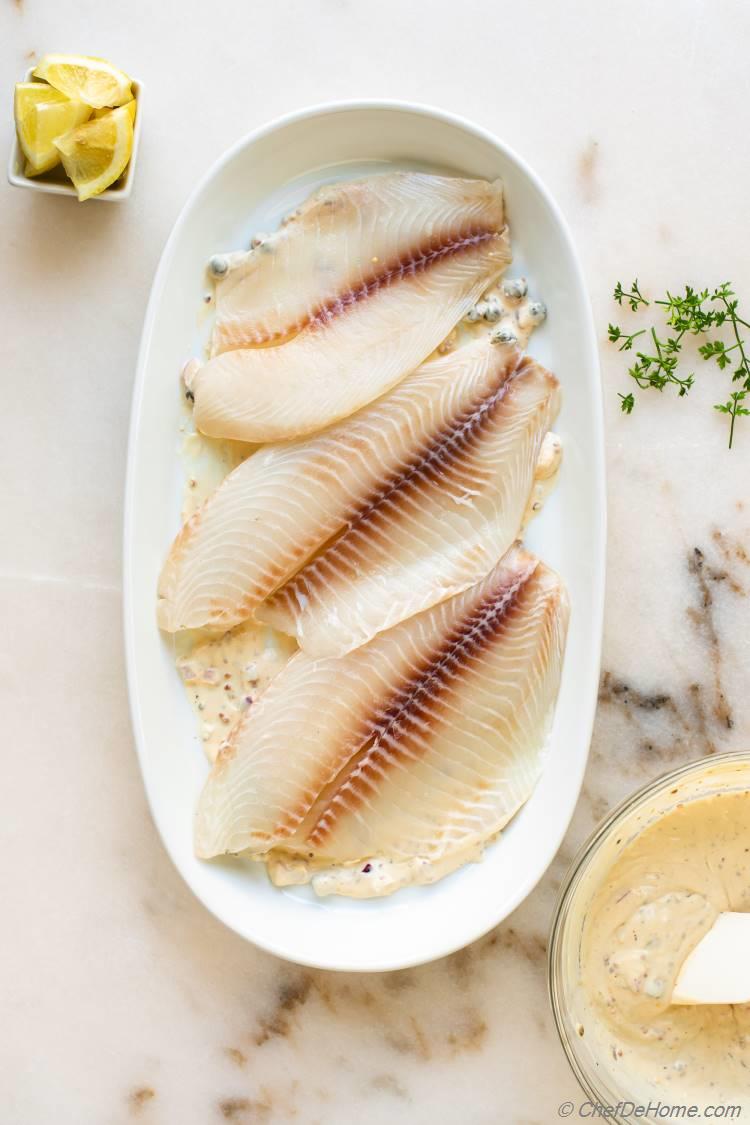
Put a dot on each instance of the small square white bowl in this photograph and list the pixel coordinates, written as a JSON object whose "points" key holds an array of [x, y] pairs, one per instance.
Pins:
{"points": [[56, 183]]}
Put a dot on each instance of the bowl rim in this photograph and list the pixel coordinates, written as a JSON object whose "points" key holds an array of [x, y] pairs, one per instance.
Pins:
{"points": [[575, 872], [439, 948], [47, 187]]}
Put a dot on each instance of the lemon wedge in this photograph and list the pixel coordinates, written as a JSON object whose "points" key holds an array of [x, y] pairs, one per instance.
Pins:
{"points": [[96, 153], [93, 81], [130, 107], [42, 114]]}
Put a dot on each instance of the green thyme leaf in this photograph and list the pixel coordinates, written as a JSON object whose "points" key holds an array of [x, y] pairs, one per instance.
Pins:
{"points": [[695, 312]]}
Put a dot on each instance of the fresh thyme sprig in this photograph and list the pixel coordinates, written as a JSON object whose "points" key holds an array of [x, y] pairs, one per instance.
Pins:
{"points": [[695, 312], [616, 335], [633, 296]]}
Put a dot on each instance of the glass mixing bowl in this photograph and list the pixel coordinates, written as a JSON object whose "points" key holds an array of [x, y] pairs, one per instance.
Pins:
{"points": [[720, 773]]}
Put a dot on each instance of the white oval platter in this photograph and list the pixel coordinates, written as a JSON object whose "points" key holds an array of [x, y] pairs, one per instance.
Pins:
{"points": [[250, 188]]}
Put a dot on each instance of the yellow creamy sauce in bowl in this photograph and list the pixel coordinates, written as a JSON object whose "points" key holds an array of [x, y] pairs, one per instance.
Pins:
{"points": [[648, 889]]}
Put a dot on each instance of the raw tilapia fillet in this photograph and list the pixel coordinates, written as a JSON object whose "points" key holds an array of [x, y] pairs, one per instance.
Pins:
{"points": [[345, 300], [438, 525], [417, 747], [283, 503]]}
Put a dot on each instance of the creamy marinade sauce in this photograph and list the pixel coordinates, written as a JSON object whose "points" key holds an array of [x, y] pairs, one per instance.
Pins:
{"points": [[659, 898], [224, 674]]}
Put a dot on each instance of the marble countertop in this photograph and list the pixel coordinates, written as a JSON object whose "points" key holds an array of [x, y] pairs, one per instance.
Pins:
{"points": [[123, 999]]}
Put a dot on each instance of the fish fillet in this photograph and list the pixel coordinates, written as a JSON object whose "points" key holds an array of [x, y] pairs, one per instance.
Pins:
{"points": [[418, 746], [344, 301], [276, 509], [440, 524]]}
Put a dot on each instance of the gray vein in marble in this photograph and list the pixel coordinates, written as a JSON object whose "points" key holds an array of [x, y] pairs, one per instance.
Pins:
{"points": [[292, 994], [703, 618], [245, 1109], [695, 717]]}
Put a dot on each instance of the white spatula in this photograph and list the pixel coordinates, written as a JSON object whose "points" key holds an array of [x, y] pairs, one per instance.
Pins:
{"points": [[718, 969]]}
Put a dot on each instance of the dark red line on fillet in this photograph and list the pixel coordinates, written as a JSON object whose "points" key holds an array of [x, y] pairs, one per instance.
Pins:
{"points": [[443, 448], [424, 257], [405, 712], [405, 267], [442, 454]]}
